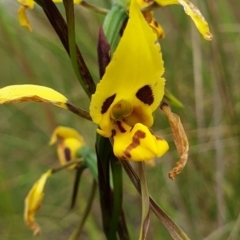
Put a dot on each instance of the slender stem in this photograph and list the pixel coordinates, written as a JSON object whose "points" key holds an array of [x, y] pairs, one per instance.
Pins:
{"points": [[175, 231], [145, 201], [94, 8], [78, 111], [77, 179], [77, 233], [70, 163]]}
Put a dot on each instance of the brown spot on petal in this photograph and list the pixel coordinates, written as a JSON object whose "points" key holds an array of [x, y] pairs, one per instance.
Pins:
{"points": [[107, 103], [113, 132], [155, 23], [67, 154], [135, 142], [145, 95], [120, 127]]}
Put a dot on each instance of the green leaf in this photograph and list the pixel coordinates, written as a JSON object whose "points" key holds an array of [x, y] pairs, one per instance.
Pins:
{"points": [[113, 23], [169, 97], [145, 201]]}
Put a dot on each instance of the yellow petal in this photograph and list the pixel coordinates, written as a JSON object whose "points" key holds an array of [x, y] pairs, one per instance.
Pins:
{"points": [[69, 141], [23, 19], [77, 1], [33, 202], [137, 143], [74, 1], [133, 75], [62, 132], [67, 150], [32, 93], [194, 13], [197, 18], [166, 2]]}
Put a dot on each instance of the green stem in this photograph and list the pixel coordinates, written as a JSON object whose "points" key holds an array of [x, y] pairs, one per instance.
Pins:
{"points": [[78, 111], [117, 196], [94, 8], [78, 174], [68, 4], [70, 163], [145, 201], [77, 233]]}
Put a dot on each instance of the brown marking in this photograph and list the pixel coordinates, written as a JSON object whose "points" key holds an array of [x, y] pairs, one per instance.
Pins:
{"points": [[113, 132], [120, 127], [135, 142], [67, 154], [107, 103], [145, 95], [155, 23]]}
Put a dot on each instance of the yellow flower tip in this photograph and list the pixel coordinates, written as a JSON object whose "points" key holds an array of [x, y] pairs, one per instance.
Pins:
{"points": [[62, 132], [23, 19], [197, 18], [33, 202], [166, 2], [137, 143], [74, 1], [77, 1]]}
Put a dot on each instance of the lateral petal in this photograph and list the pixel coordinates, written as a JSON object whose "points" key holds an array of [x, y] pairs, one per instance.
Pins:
{"points": [[32, 93]]}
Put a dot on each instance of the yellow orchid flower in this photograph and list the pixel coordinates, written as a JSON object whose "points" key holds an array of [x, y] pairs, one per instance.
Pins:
{"points": [[29, 4], [69, 141], [33, 202], [131, 89]]}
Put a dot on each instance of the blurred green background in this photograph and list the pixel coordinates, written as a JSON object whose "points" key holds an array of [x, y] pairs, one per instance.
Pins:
{"points": [[204, 199]]}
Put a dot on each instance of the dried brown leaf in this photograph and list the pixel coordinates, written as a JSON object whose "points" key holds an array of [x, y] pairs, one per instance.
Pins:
{"points": [[180, 139]]}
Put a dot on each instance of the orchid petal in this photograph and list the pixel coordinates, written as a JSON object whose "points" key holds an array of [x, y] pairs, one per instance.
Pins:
{"points": [[197, 18], [32, 93], [62, 132], [69, 141], [23, 19], [194, 13], [33, 202], [138, 143]]}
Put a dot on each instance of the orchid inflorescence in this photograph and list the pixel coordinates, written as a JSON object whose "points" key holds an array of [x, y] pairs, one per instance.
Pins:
{"points": [[130, 90]]}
